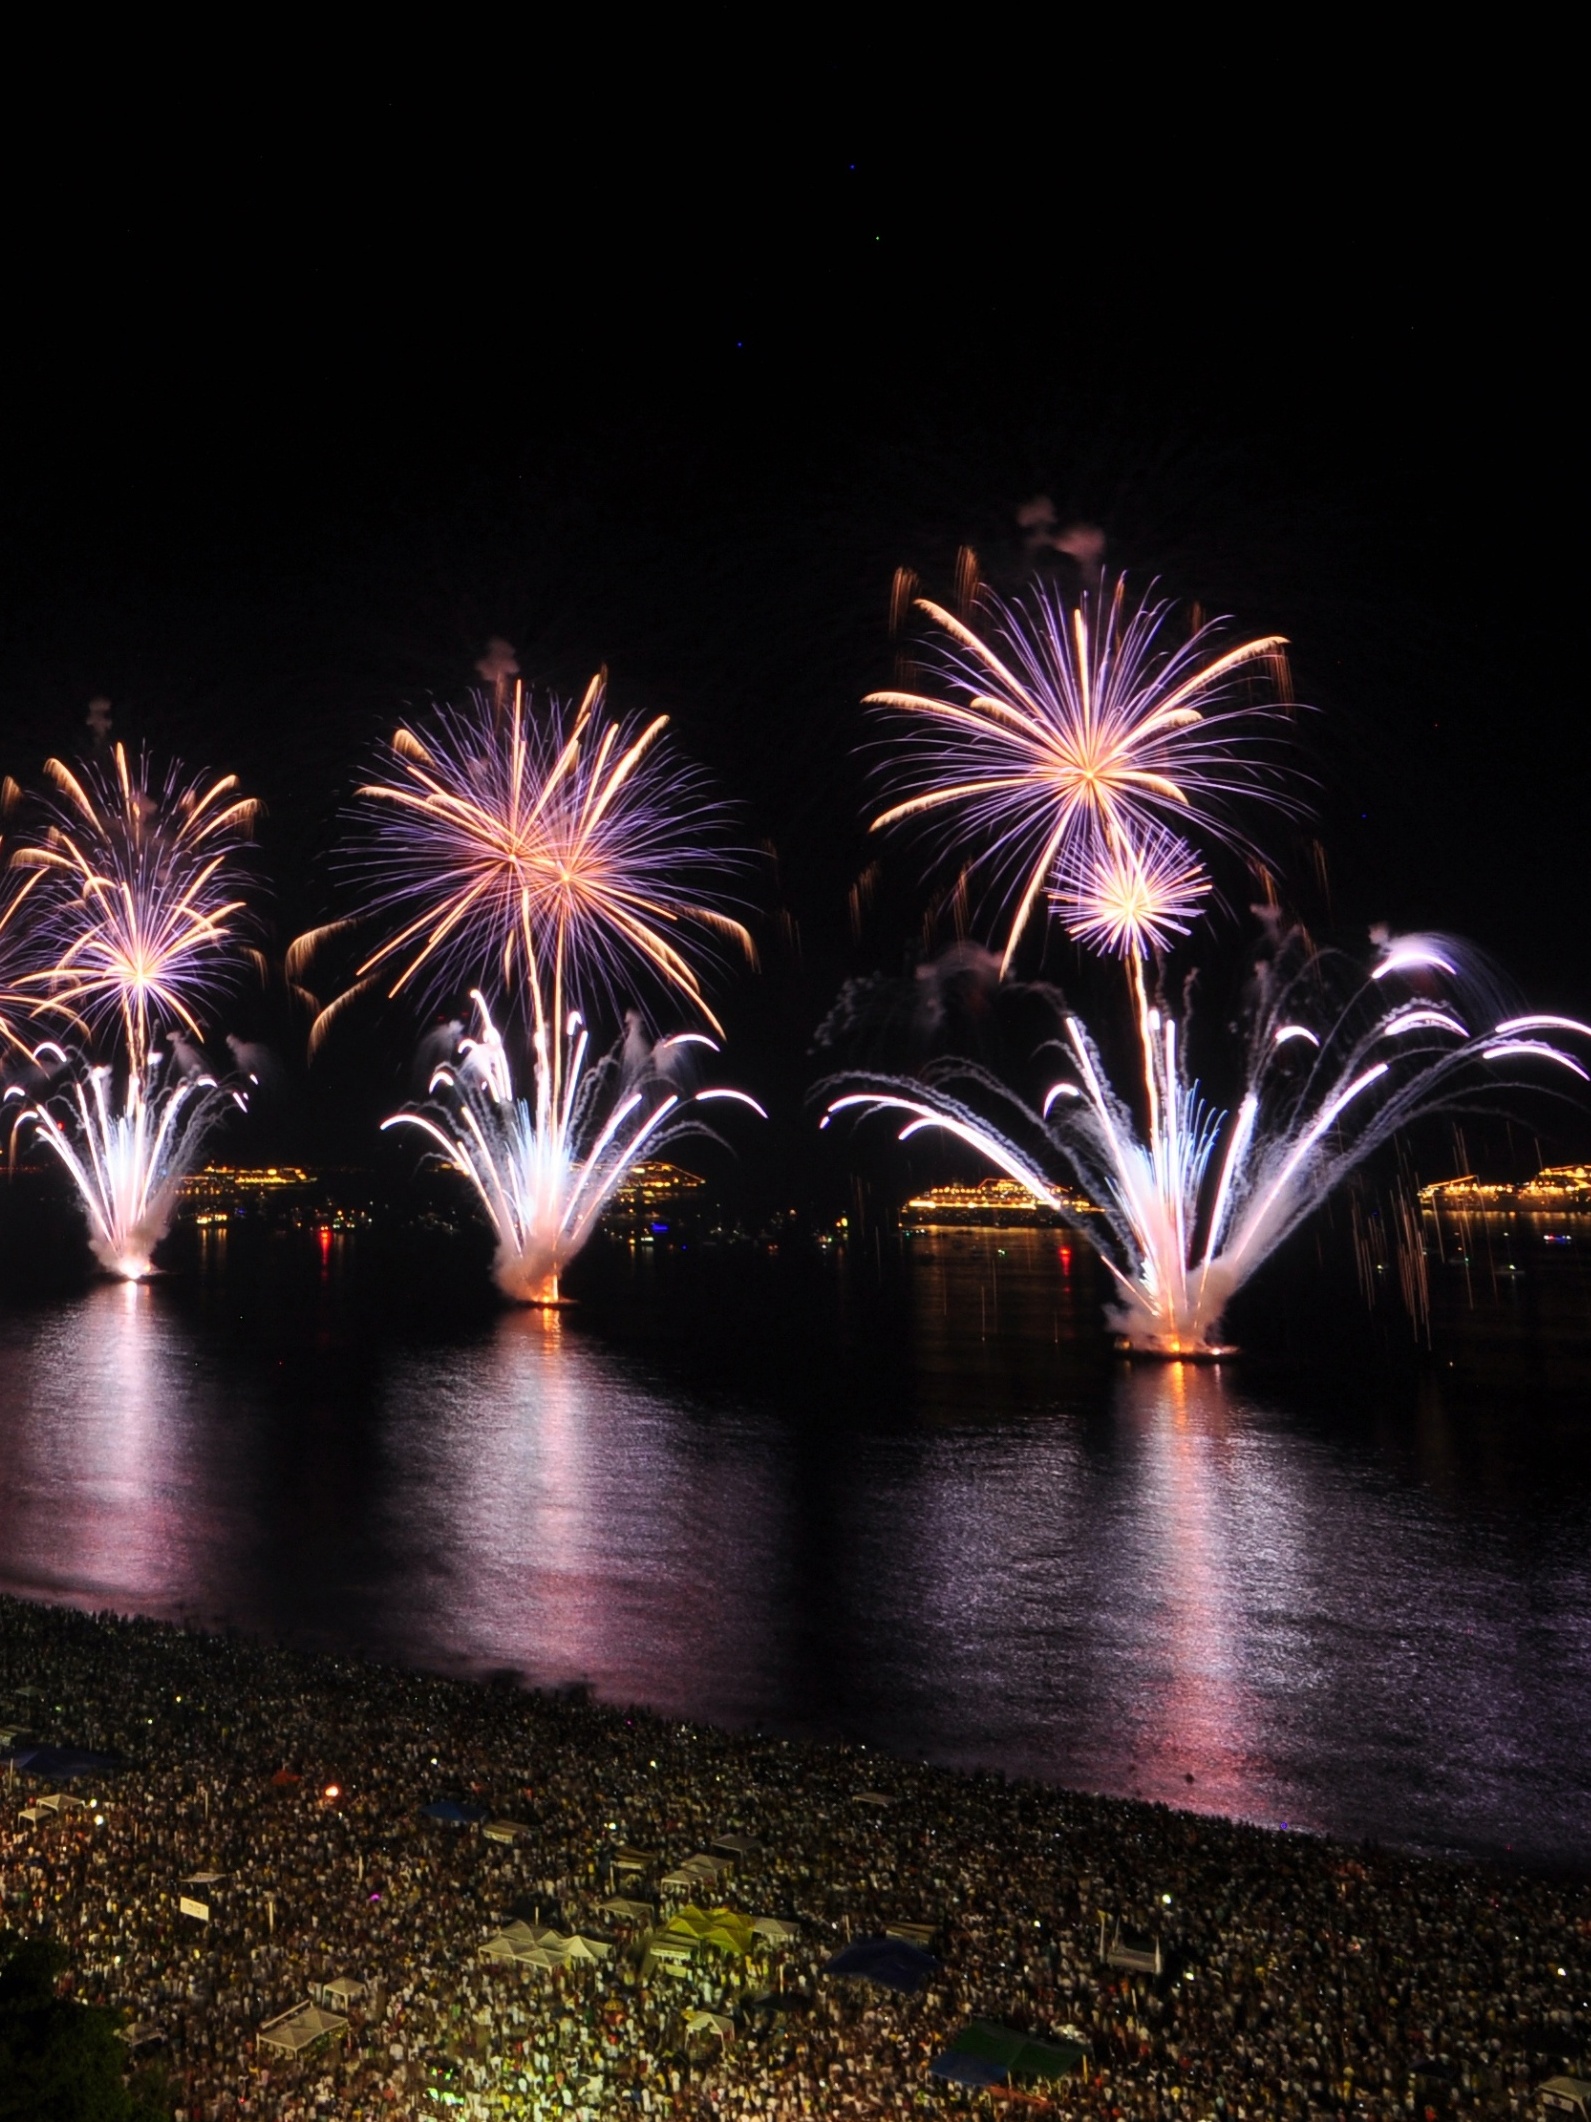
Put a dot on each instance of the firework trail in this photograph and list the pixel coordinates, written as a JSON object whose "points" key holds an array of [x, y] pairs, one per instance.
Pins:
{"points": [[560, 851], [1097, 750], [135, 924], [544, 1171]]}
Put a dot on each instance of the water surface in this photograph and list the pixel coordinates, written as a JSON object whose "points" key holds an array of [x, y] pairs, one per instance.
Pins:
{"points": [[930, 1512]]}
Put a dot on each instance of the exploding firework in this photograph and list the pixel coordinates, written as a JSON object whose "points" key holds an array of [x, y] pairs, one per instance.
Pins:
{"points": [[1129, 898], [544, 1170], [564, 850], [1062, 755], [1078, 726], [138, 916], [135, 924]]}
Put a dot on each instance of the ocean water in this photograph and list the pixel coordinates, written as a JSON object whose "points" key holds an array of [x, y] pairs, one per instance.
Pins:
{"points": [[916, 1502]]}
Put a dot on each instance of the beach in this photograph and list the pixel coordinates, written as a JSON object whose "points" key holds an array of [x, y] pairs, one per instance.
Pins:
{"points": [[284, 1795]]}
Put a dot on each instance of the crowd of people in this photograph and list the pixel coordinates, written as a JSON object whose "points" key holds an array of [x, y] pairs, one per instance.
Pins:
{"points": [[285, 1795]]}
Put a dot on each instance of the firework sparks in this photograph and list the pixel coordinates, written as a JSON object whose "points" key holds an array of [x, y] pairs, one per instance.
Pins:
{"points": [[556, 848], [1078, 724], [571, 854], [544, 1171]]}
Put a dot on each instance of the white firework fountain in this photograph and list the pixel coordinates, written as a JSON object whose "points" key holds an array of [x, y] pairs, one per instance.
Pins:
{"points": [[545, 1170], [127, 1148]]}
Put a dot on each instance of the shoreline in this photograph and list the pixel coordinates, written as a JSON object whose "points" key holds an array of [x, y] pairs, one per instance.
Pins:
{"points": [[1445, 1965], [224, 1629]]}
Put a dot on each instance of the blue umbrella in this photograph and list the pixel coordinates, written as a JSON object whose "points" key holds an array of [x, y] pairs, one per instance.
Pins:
{"points": [[890, 1962], [61, 1764], [960, 2069]]}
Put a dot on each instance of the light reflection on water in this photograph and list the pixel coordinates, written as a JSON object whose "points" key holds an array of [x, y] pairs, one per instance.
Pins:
{"points": [[578, 1526], [106, 1476], [1147, 1580]]}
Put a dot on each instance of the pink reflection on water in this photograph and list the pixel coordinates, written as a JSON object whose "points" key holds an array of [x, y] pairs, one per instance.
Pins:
{"points": [[579, 1529], [105, 1499], [1197, 1725]]}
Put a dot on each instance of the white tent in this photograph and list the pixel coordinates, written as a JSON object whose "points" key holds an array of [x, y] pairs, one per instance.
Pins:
{"points": [[741, 1847], [1134, 1950], [775, 1929], [509, 1831], [52, 1807], [515, 1940], [710, 2022], [530, 1945], [291, 2032], [637, 1860], [700, 1870]]}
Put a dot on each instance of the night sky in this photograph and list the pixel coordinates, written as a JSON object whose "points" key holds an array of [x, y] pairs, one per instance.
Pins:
{"points": [[317, 374]]}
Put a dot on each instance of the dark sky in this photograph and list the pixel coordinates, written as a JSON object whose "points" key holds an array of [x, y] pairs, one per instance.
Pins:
{"points": [[318, 371]]}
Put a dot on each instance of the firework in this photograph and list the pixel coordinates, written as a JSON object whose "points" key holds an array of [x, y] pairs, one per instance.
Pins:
{"points": [[16, 1002], [1130, 897], [544, 1170], [138, 916], [1066, 754], [136, 923], [560, 850], [127, 1149], [1066, 726], [570, 854], [1189, 1207]]}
